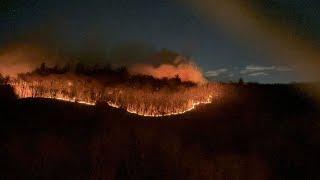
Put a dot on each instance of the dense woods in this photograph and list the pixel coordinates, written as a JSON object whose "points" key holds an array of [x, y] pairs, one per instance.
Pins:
{"points": [[139, 94]]}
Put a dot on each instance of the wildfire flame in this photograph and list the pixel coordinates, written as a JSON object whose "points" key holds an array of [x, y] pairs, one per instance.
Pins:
{"points": [[193, 105], [134, 101]]}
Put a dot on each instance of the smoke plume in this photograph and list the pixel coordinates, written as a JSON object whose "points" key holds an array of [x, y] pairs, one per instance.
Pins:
{"points": [[23, 58], [185, 69]]}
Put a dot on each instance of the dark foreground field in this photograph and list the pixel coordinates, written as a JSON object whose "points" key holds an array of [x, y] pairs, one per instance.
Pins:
{"points": [[252, 132]]}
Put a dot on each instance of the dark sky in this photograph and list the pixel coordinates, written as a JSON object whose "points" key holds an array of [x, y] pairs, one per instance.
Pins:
{"points": [[226, 46]]}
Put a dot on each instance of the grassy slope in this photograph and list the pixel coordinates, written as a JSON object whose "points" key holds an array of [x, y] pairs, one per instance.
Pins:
{"points": [[253, 132]]}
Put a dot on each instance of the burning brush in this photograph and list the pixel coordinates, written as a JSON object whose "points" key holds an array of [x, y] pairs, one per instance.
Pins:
{"points": [[147, 90]]}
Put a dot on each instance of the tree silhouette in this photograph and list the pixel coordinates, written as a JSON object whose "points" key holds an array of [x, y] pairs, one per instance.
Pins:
{"points": [[4, 79], [1, 79], [240, 82]]}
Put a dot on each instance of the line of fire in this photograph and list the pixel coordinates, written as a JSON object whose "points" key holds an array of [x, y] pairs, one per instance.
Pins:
{"points": [[143, 95]]}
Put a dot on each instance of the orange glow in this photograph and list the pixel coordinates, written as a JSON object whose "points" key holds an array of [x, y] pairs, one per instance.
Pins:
{"points": [[142, 102], [23, 58], [185, 69]]}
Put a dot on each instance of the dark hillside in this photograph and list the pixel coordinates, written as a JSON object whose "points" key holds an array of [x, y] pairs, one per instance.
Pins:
{"points": [[252, 132]]}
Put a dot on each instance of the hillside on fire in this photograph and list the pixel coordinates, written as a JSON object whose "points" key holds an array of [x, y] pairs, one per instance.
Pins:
{"points": [[143, 89], [159, 89], [253, 132]]}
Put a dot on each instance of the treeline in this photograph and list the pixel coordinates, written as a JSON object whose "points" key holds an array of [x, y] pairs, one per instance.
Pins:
{"points": [[4, 79], [108, 75]]}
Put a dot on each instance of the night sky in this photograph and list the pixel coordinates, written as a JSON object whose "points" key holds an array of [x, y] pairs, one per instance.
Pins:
{"points": [[258, 40]]}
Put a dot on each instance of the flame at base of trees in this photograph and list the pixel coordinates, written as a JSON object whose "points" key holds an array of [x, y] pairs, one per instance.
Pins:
{"points": [[141, 101], [155, 113]]}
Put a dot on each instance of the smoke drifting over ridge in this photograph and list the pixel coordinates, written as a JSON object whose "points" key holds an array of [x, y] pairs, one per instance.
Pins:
{"points": [[23, 58], [185, 69]]}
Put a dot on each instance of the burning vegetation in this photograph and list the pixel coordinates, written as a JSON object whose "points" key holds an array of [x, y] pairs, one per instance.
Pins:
{"points": [[139, 94], [170, 85]]}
